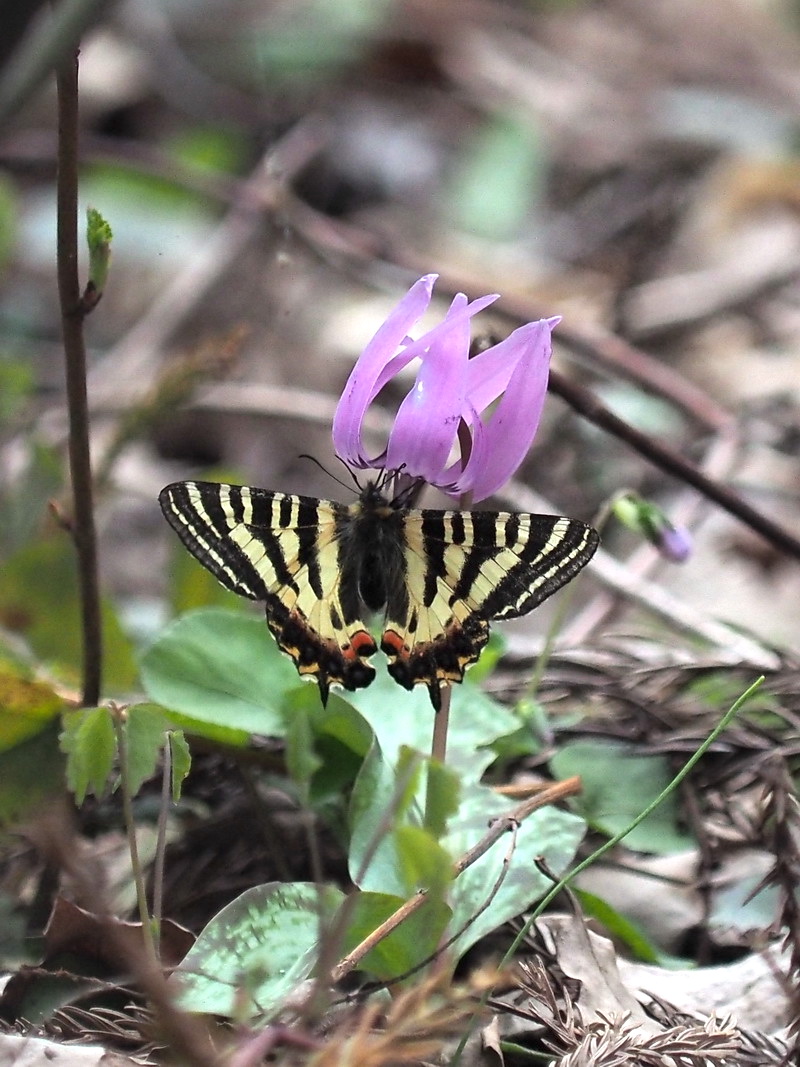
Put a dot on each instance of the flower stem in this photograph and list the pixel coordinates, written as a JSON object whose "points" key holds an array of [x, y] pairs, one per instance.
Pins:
{"points": [[440, 726], [441, 723], [82, 526]]}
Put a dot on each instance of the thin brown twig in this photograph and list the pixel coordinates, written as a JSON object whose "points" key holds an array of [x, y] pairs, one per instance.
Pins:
{"points": [[666, 459], [82, 527], [558, 791]]}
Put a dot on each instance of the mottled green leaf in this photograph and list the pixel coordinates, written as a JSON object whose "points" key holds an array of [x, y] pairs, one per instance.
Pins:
{"points": [[256, 950]]}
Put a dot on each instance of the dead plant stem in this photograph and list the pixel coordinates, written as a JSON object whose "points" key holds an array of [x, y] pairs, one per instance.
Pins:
{"points": [[82, 525]]}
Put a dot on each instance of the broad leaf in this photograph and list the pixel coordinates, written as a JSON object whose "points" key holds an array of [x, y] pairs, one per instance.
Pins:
{"points": [[256, 951], [220, 668], [26, 707], [30, 774], [405, 718], [618, 785], [39, 600], [504, 882], [407, 946]]}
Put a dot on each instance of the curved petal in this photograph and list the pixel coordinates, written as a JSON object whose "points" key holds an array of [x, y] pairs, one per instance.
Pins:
{"points": [[426, 423], [459, 477], [490, 371], [510, 431], [368, 376]]}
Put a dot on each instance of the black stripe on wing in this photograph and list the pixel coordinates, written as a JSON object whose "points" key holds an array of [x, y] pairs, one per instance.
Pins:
{"points": [[550, 552], [234, 531]]}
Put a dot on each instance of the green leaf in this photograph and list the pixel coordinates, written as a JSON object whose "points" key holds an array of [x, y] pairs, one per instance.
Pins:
{"points": [[17, 386], [380, 803], [550, 833], [500, 885], [26, 707], [146, 732], [210, 148], [90, 744], [298, 52], [422, 862], [10, 215], [475, 722], [302, 760], [181, 761], [338, 720], [617, 786], [31, 773], [218, 735], [98, 238], [256, 950], [500, 179], [413, 941], [222, 669], [526, 740], [39, 601], [24, 501], [619, 927]]}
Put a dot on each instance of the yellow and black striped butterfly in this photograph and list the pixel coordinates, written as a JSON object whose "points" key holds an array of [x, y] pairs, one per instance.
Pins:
{"points": [[437, 577]]}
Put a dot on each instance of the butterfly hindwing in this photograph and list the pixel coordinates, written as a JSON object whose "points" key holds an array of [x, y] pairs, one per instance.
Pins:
{"points": [[464, 569], [283, 550]]}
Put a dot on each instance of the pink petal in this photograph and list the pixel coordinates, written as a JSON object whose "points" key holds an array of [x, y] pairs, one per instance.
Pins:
{"points": [[511, 429], [458, 478], [490, 371], [368, 376], [426, 423]]}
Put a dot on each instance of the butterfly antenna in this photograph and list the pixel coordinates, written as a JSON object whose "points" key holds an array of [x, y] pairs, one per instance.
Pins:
{"points": [[351, 472], [331, 475]]}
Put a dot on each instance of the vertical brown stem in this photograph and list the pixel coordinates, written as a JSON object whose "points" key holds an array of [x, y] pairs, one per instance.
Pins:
{"points": [[83, 530]]}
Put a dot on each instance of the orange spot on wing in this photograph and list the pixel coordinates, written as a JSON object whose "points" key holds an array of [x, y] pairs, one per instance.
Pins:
{"points": [[361, 644], [392, 643]]}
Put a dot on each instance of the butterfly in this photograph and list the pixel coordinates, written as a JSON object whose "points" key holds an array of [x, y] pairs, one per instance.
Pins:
{"points": [[438, 578]]}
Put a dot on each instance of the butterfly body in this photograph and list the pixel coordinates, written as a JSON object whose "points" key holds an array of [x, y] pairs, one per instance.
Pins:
{"points": [[437, 578]]}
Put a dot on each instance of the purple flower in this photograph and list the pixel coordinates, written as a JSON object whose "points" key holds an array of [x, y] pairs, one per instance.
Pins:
{"points": [[444, 407], [675, 543], [646, 518]]}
